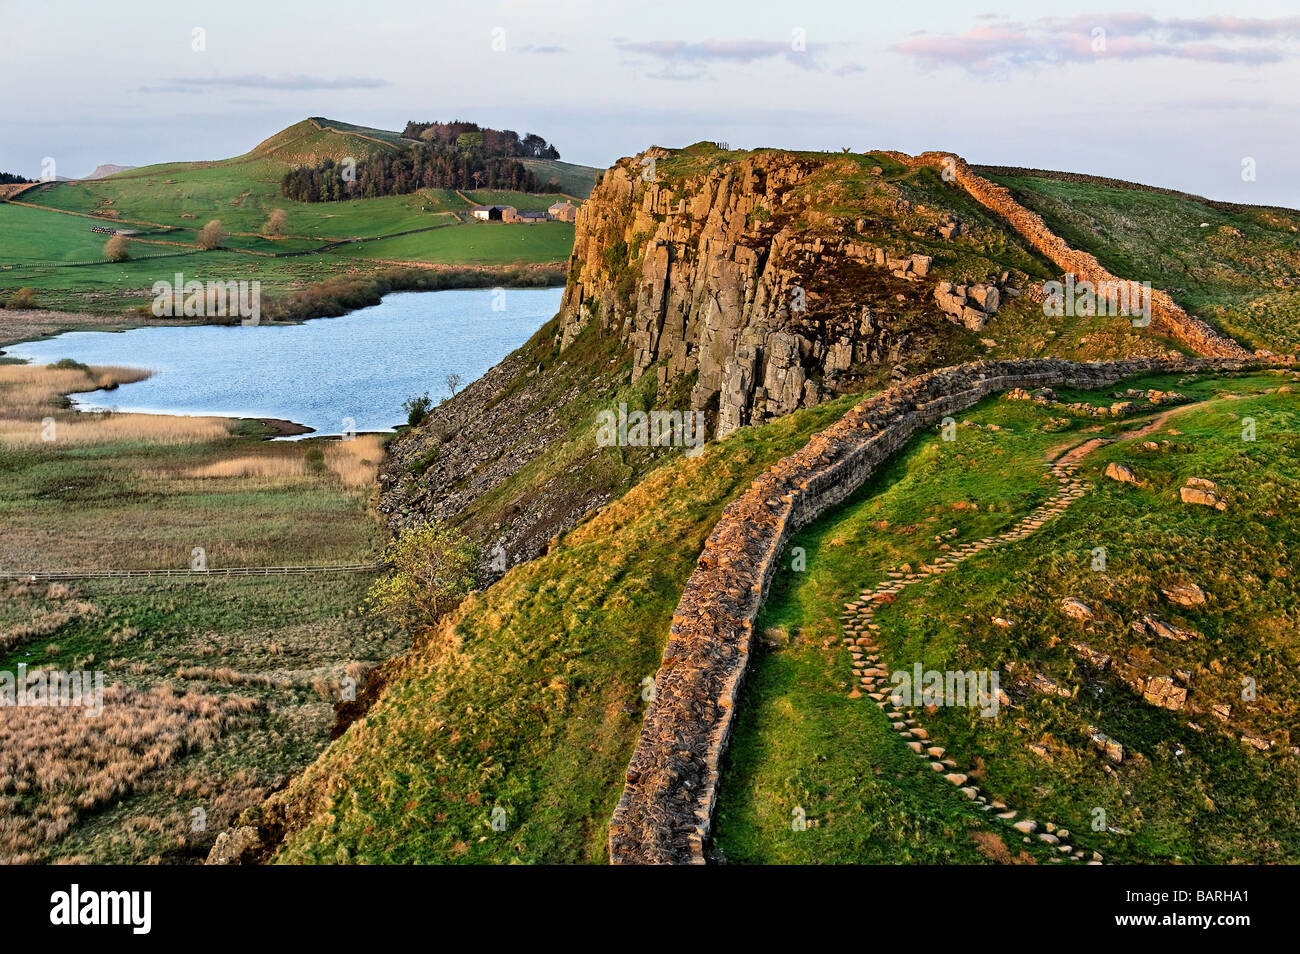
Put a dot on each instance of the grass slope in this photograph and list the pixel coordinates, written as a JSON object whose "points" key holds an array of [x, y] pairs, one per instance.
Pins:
{"points": [[480, 243], [1238, 267], [1189, 790], [530, 698]]}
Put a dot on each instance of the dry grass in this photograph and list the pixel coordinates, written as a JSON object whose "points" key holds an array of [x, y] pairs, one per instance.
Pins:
{"points": [[51, 607], [356, 461], [33, 413], [253, 465], [27, 324], [233, 677], [56, 764]]}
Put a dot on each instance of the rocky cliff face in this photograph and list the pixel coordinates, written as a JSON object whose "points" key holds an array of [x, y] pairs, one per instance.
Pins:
{"points": [[771, 281], [744, 285]]}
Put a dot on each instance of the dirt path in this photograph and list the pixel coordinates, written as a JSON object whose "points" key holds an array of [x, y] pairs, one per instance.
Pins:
{"points": [[873, 676]]}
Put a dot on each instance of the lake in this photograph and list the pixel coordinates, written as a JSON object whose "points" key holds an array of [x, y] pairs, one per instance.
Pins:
{"points": [[329, 374]]}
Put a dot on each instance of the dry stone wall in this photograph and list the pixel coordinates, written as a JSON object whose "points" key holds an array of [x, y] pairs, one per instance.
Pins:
{"points": [[666, 809], [1167, 316]]}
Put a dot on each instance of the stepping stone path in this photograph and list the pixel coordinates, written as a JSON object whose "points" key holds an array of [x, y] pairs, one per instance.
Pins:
{"points": [[873, 678]]}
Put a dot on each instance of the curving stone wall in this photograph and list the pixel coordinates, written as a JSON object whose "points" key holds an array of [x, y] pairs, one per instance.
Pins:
{"points": [[1167, 316], [666, 809]]}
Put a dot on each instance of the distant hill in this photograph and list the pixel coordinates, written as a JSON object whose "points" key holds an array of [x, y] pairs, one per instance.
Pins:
{"points": [[574, 179], [106, 169], [318, 139], [315, 140], [167, 204]]}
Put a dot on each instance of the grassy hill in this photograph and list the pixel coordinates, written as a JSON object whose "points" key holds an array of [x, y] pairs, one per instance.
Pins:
{"points": [[528, 698], [1233, 265], [1188, 788], [48, 244]]}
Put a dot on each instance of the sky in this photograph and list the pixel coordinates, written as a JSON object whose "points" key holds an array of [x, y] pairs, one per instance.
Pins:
{"points": [[1188, 95]]}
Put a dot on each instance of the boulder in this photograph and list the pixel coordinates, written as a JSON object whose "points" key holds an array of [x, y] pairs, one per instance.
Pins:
{"points": [[1112, 749], [1162, 691], [1184, 594], [1121, 472], [1167, 630], [1095, 657], [236, 846], [984, 297], [1077, 609], [1198, 494]]}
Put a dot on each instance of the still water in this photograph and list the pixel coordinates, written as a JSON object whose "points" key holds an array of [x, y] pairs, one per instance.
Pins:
{"points": [[329, 374]]}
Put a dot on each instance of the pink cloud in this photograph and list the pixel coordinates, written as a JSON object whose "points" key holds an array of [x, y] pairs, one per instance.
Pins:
{"points": [[1086, 38]]}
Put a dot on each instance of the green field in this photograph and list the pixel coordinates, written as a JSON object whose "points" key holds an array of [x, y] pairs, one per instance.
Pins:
{"points": [[1189, 790], [47, 243], [479, 243]]}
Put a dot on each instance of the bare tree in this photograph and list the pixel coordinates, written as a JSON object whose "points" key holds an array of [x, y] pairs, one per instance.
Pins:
{"points": [[453, 383], [276, 223], [115, 249], [212, 235]]}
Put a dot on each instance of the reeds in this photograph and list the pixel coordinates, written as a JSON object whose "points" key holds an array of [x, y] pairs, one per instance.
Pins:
{"points": [[33, 413]]}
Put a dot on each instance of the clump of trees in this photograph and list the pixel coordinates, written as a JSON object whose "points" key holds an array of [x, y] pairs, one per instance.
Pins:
{"points": [[212, 235], [431, 569], [116, 250], [276, 223], [401, 173], [493, 142], [456, 155], [10, 178]]}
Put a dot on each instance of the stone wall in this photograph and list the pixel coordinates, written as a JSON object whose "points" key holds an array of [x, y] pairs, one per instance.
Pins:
{"points": [[1167, 316], [666, 809]]}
